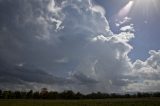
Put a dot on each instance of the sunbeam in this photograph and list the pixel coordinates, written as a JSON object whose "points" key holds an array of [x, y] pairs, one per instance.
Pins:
{"points": [[146, 7], [126, 9]]}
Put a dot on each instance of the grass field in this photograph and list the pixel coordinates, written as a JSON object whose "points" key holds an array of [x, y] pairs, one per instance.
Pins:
{"points": [[106, 102]]}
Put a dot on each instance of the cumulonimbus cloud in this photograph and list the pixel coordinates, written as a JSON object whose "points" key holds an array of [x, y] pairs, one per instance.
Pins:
{"points": [[71, 41]]}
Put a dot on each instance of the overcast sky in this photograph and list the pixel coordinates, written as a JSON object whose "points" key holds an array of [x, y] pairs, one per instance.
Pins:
{"points": [[80, 45]]}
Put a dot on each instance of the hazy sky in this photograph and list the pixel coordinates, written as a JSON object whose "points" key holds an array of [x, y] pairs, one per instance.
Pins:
{"points": [[80, 45]]}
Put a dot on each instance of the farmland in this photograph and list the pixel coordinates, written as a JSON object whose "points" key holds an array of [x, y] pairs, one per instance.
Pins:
{"points": [[102, 102]]}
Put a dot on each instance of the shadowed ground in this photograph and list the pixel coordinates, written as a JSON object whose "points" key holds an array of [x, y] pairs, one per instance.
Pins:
{"points": [[106, 102]]}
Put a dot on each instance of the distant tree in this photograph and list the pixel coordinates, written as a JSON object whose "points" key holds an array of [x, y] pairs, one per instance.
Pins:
{"points": [[6, 94], [44, 93], [53, 95], [17, 94], [91, 96], [146, 94], [156, 94], [29, 94], [0, 94], [23, 95], [127, 95], [139, 95], [78, 95], [113, 95], [67, 95], [36, 95]]}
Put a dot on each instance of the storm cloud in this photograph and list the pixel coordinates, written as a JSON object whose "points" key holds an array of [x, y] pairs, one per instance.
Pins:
{"points": [[66, 44]]}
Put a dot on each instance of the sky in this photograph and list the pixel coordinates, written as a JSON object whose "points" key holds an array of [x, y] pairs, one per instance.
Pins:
{"points": [[80, 45]]}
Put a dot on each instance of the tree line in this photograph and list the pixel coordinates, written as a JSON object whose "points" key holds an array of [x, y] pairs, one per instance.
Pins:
{"points": [[45, 94]]}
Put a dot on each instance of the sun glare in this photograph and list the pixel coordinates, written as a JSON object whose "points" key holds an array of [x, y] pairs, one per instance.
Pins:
{"points": [[145, 7], [148, 3], [126, 9]]}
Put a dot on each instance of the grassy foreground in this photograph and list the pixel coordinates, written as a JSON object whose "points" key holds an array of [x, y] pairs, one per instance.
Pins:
{"points": [[106, 102]]}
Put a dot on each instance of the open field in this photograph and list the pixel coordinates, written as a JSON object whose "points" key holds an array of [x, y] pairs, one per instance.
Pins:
{"points": [[106, 102]]}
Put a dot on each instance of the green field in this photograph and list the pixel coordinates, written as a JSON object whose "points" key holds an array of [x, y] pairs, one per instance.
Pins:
{"points": [[106, 102]]}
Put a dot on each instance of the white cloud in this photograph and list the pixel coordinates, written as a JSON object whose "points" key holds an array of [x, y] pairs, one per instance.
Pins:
{"points": [[58, 23], [144, 86], [146, 73], [125, 36], [123, 21], [53, 8], [20, 64], [128, 28], [98, 9], [62, 60]]}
